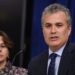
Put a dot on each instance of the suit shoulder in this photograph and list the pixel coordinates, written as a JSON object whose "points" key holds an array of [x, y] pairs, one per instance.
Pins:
{"points": [[72, 46], [40, 56], [37, 59]]}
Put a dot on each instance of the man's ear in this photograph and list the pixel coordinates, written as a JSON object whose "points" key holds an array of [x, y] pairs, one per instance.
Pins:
{"points": [[70, 29]]}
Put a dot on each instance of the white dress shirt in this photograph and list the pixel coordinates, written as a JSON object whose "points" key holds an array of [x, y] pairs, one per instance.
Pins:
{"points": [[57, 61]]}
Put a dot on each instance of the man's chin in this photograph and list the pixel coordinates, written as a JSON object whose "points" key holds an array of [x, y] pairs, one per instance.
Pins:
{"points": [[54, 46]]}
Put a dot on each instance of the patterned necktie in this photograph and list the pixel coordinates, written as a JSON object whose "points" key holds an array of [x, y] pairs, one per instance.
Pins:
{"points": [[51, 70]]}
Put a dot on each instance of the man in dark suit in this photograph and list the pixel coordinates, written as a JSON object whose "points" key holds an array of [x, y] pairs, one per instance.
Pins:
{"points": [[56, 26]]}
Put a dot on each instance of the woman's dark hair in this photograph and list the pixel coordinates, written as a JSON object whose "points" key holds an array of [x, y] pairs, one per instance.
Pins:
{"points": [[8, 43]]}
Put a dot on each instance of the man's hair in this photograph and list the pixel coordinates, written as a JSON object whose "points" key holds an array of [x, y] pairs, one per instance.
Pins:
{"points": [[53, 8]]}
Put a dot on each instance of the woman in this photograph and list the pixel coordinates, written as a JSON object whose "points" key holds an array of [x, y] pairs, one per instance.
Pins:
{"points": [[6, 68]]}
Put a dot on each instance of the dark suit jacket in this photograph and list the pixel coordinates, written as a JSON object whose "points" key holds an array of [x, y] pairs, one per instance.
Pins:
{"points": [[38, 65]]}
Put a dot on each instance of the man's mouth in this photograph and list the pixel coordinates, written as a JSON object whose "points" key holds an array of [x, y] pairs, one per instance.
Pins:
{"points": [[54, 38]]}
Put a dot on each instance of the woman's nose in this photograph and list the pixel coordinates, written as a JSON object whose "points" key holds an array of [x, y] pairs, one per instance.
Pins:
{"points": [[0, 50]]}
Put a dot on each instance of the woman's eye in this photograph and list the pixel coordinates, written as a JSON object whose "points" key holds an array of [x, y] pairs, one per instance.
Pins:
{"points": [[2, 46]]}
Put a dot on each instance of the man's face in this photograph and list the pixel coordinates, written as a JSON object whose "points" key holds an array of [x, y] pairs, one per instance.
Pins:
{"points": [[56, 29]]}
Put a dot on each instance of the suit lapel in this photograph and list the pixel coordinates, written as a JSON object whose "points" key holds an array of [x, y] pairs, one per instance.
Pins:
{"points": [[65, 60], [43, 67]]}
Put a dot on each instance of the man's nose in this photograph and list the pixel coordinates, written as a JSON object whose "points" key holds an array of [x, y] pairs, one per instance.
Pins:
{"points": [[53, 29]]}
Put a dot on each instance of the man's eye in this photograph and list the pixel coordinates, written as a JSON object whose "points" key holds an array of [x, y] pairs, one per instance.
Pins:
{"points": [[59, 25], [48, 25]]}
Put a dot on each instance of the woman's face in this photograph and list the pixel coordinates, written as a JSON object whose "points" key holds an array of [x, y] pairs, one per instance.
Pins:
{"points": [[4, 53]]}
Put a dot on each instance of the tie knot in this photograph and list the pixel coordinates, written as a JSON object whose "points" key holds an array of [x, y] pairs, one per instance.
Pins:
{"points": [[53, 56]]}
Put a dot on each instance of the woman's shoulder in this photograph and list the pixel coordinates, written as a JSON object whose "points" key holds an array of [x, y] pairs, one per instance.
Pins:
{"points": [[14, 70], [18, 70]]}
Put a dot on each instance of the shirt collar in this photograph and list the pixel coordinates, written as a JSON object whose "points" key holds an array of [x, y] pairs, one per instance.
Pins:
{"points": [[58, 52]]}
